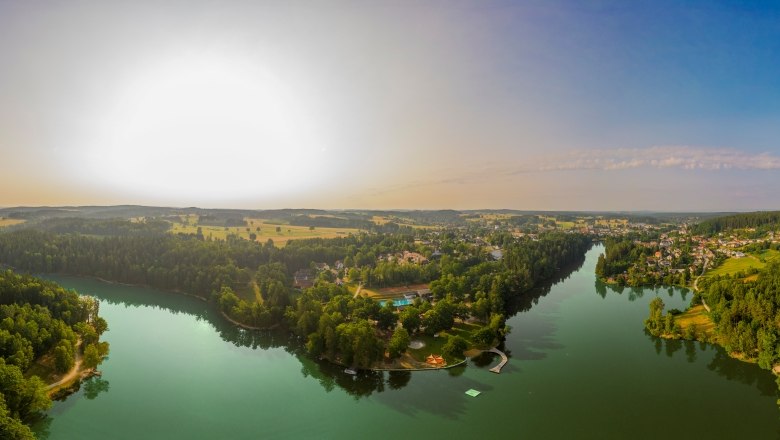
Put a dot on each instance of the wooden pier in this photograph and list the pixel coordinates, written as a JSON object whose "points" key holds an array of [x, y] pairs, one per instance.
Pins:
{"points": [[504, 360]]}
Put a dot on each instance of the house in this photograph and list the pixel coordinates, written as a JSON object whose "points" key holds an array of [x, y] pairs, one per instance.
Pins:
{"points": [[497, 254], [425, 294], [303, 279]]}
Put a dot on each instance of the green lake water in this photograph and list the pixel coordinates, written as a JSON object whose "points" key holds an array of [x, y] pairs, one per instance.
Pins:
{"points": [[580, 366]]}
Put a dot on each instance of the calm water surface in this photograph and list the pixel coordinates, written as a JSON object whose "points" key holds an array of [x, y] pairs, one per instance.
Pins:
{"points": [[580, 366]]}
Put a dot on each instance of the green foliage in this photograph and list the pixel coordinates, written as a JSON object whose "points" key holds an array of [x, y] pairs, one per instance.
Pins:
{"points": [[619, 256], [769, 219], [23, 397], [655, 323], [38, 317], [410, 319], [63, 356], [746, 314], [249, 313], [91, 356], [454, 347], [386, 318], [11, 428], [398, 342]]}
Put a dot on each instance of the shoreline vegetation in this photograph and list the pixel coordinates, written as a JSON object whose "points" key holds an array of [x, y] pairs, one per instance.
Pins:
{"points": [[467, 275], [70, 382], [733, 266], [49, 341]]}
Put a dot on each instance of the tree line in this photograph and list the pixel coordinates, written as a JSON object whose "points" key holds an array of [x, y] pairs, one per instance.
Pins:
{"points": [[746, 314], [764, 219]]}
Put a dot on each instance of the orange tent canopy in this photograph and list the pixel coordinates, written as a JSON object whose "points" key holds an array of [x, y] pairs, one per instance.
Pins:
{"points": [[435, 359]]}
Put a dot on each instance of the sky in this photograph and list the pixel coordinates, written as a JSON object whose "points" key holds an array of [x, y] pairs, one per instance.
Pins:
{"points": [[538, 105]]}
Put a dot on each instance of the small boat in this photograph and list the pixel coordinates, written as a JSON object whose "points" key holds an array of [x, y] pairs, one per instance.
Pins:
{"points": [[350, 371]]}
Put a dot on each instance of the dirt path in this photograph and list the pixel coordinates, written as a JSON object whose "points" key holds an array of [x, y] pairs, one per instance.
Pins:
{"points": [[73, 373], [703, 269], [357, 291]]}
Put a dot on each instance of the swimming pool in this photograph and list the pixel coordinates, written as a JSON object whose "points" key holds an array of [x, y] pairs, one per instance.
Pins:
{"points": [[398, 302]]}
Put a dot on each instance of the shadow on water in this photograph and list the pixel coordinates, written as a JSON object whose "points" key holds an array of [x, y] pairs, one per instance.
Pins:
{"points": [[635, 293], [175, 303], [449, 402], [721, 363], [533, 335], [90, 388]]}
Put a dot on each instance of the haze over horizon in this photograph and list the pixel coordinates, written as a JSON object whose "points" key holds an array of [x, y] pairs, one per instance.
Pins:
{"points": [[549, 105]]}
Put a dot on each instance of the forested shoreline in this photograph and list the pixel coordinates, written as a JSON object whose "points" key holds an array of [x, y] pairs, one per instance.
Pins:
{"points": [[40, 322], [465, 282]]}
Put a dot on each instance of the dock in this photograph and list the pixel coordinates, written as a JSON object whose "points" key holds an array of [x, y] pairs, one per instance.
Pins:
{"points": [[504, 360]]}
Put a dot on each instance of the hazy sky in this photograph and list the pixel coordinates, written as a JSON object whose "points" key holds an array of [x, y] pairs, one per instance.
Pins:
{"points": [[422, 104]]}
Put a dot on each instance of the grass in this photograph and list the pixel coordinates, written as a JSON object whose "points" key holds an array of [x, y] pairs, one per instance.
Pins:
{"points": [[365, 291], [566, 225], [10, 222], [391, 292], [734, 265], [699, 317], [434, 345], [611, 222], [263, 230]]}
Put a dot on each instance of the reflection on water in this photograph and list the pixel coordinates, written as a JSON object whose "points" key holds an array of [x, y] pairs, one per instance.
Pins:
{"points": [[94, 386], [721, 363], [328, 375], [535, 335]]}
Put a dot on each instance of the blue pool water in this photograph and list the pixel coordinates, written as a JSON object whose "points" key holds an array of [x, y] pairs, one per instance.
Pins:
{"points": [[399, 302]]}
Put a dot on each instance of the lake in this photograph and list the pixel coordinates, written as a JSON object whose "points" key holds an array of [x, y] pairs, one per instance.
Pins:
{"points": [[580, 366]]}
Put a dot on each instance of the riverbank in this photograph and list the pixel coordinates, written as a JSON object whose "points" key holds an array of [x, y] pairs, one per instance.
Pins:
{"points": [[70, 382], [246, 326], [705, 330], [177, 292]]}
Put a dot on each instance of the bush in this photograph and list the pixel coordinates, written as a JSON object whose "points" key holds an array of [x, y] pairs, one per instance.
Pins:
{"points": [[454, 347]]}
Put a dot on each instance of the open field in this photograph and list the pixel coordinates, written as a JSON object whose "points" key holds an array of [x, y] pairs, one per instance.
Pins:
{"points": [[612, 223], [390, 292], [753, 261], [697, 316], [280, 234], [10, 221]]}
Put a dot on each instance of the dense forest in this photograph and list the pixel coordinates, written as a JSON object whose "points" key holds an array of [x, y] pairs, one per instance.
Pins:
{"points": [[765, 219], [618, 256], [39, 318], [747, 314], [338, 326]]}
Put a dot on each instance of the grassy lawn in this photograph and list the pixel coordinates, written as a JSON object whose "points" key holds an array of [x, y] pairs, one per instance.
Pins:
{"points": [[768, 255], [10, 221], [365, 291], [263, 230], [391, 292], [699, 317], [565, 225], [434, 345], [735, 265]]}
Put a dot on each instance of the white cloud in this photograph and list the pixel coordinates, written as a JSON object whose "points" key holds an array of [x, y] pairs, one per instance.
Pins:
{"points": [[683, 157]]}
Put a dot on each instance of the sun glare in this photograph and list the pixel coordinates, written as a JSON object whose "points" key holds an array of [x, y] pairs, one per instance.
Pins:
{"points": [[206, 127]]}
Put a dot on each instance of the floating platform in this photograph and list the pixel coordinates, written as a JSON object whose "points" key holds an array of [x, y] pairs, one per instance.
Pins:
{"points": [[473, 393]]}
